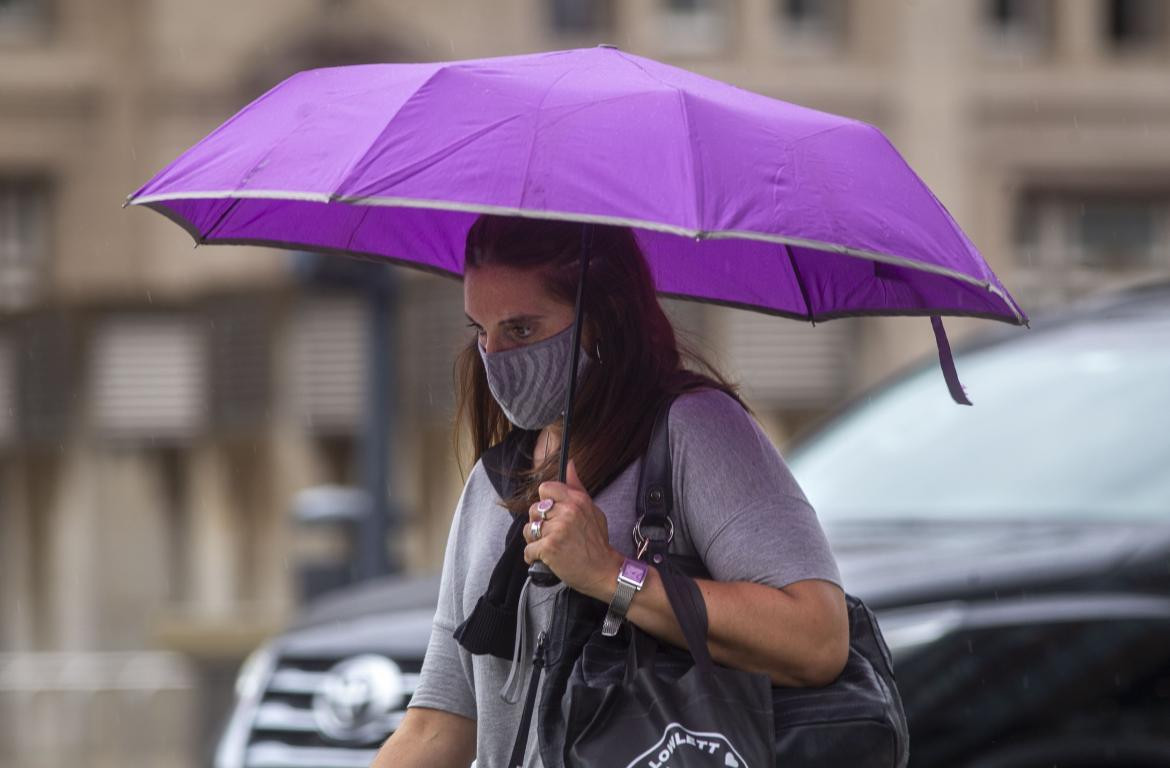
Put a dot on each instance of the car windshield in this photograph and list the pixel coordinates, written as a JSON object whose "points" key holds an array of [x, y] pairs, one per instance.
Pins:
{"points": [[1067, 423]]}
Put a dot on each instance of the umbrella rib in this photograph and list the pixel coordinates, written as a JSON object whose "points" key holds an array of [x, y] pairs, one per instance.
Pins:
{"points": [[357, 162], [800, 284], [696, 178], [202, 240], [535, 131]]}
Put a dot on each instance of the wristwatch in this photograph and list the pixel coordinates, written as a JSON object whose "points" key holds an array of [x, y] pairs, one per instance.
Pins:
{"points": [[630, 579]]}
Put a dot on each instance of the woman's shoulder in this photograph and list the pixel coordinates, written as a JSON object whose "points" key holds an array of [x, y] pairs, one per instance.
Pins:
{"points": [[707, 408], [478, 490], [712, 423]]}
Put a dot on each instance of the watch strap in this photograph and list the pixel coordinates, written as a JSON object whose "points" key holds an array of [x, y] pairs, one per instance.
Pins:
{"points": [[630, 579]]}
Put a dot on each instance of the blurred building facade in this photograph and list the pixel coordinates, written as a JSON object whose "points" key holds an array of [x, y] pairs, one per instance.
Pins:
{"points": [[160, 406]]}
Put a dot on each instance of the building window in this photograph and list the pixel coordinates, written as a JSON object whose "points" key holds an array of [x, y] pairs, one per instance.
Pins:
{"points": [[1135, 26], [1016, 26], [149, 378], [812, 24], [1071, 243], [694, 27], [785, 364], [329, 363], [581, 18], [24, 239]]}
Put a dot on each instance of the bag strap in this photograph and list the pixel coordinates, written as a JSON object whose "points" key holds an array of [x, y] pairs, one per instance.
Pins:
{"points": [[654, 530], [655, 495]]}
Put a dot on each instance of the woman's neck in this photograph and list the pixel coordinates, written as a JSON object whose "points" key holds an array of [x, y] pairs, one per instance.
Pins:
{"points": [[547, 442]]}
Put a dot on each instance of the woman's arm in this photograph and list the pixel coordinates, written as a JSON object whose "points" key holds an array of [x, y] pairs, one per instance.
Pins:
{"points": [[429, 738], [798, 634]]}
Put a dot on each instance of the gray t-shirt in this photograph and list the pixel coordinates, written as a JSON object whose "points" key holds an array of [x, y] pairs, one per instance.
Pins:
{"points": [[737, 506]]}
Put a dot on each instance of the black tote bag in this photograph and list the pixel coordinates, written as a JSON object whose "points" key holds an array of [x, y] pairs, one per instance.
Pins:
{"points": [[708, 717]]}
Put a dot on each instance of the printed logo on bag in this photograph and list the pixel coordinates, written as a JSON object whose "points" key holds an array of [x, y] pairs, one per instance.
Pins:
{"points": [[682, 747]]}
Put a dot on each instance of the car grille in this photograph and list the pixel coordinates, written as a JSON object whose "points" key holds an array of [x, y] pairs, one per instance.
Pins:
{"points": [[284, 732]]}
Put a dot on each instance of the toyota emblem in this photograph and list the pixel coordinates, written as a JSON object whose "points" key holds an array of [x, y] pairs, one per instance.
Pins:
{"points": [[354, 701]]}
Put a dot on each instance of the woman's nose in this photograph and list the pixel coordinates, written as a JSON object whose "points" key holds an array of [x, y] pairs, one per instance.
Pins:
{"points": [[492, 343]]}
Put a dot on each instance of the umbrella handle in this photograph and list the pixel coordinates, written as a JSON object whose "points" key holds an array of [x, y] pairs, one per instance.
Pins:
{"points": [[542, 576], [539, 573]]}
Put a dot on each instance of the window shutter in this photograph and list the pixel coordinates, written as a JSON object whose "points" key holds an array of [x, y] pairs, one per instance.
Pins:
{"points": [[785, 363], [328, 362], [434, 330], [149, 377]]}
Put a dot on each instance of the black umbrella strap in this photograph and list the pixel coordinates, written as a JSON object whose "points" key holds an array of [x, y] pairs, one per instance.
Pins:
{"points": [[947, 361]]}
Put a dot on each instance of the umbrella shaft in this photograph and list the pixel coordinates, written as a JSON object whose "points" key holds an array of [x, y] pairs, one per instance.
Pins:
{"points": [[540, 573]]}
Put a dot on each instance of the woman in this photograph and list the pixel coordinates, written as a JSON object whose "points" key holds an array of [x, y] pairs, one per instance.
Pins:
{"points": [[775, 603]]}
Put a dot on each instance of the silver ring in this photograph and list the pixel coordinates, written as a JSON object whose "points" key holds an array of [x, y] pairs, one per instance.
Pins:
{"points": [[543, 510], [534, 529]]}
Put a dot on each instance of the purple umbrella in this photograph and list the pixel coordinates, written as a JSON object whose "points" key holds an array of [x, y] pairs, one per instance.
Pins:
{"points": [[736, 198]]}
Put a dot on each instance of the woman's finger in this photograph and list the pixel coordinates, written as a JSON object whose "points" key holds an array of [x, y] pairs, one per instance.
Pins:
{"points": [[544, 529], [534, 509], [555, 490], [571, 477], [561, 510], [532, 553]]}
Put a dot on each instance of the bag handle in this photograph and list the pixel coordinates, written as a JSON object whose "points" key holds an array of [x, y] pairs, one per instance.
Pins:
{"points": [[653, 533]]}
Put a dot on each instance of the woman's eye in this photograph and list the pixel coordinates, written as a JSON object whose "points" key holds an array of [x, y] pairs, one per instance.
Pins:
{"points": [[522, 331]]}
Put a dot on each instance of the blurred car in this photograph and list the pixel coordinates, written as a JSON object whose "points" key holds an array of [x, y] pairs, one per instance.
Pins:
{"points": [[1017, 554]]}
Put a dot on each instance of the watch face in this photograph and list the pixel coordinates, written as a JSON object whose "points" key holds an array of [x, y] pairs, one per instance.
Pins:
{"points": [[634, 570]]}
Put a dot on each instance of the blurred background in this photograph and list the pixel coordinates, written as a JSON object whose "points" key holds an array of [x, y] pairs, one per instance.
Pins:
{"points": [[163, 410]]}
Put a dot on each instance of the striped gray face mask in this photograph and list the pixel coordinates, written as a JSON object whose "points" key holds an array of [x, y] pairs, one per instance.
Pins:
{"points": [[528, 382]]}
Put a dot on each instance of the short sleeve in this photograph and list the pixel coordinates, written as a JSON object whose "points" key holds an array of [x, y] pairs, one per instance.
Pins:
{"points": [[445, 681], [744, 512]]}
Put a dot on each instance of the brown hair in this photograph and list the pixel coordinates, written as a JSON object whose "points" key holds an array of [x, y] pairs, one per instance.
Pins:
{"points": [[641, 360]]}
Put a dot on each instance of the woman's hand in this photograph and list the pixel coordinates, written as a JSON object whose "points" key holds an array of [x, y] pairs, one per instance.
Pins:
{"points": [[574, 537]]}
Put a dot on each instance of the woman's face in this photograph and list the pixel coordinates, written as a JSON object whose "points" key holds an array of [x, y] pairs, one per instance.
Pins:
{"points": [[509, 307]]}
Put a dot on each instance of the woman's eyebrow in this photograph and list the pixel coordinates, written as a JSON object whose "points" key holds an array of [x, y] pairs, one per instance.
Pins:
{"points": [[512, 319]]}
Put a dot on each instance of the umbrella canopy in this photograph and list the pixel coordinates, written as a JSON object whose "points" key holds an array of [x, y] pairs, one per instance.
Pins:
{"points": [[736, 198]]}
